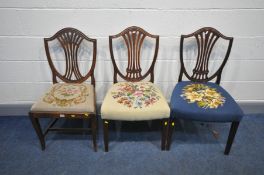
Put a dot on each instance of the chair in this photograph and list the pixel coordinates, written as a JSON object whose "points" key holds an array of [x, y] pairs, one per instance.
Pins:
{"points": [[70, 97], [134, 99], [198, 99]]}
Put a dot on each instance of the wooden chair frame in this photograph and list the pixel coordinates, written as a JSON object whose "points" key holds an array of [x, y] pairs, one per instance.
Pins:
{"points": [[206, 38], [134, 37], [70, 40]]}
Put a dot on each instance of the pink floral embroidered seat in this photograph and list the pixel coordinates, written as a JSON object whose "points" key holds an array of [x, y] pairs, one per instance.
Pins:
{"points": [[72, 93], [67, 97], [134, 101]]}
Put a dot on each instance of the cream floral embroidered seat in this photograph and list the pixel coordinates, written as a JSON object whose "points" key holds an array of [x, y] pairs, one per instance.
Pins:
{"points": [[71, 96], [67, 97], [136, 99], [129, 101]]}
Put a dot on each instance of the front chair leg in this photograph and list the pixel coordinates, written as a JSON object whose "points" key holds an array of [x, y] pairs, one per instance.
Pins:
{"points": [[105, 125], [164, 126], [94, 131], [231, 136], [36, 125], [169, 135]]}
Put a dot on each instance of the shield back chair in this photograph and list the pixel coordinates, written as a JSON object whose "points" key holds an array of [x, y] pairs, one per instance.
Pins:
{"points": [[70, 96], [198, 99], [136, 98]]}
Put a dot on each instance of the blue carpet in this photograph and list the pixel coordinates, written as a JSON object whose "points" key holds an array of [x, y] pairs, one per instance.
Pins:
{"points": [[134, 150]]}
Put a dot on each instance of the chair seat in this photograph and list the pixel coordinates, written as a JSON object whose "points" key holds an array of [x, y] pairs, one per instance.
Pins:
{"points": [[67, 97], [204, 102], [133, 101]]}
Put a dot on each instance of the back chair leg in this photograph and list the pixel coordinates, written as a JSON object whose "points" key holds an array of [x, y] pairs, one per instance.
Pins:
{"points": [[94, 131], [170, 132], [231, 136], [105, 126], [36, 125], [164, 125]]}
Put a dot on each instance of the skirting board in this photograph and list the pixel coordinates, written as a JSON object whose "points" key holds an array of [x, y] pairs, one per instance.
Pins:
{"points": [[23, 109]]}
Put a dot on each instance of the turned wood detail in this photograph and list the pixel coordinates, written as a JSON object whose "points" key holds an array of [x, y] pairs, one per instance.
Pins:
{"points": [[134, 38], [70, 40], [206, 38]]}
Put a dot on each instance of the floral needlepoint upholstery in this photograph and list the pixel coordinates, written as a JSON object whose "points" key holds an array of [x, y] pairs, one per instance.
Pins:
{"points": [[67, 97], [134, 101], [203, 95], [204, 102], [136, 95]]}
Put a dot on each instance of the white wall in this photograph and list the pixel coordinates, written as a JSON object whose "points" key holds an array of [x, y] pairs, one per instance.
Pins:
{"points": [[24, 72]]}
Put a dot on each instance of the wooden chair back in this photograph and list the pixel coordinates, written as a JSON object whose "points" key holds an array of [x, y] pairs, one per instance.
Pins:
{"points": [[206, 38], [134, 37], [70, 40]]}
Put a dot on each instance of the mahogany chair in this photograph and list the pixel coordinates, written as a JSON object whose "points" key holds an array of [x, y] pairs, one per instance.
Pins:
{"points": [[70, 97], [134, 99], [198, 99]]}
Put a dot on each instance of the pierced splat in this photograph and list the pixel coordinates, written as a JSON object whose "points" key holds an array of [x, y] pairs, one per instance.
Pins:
{"points": [[70, 40], [206, 39], [133, 37], [134, 40]]}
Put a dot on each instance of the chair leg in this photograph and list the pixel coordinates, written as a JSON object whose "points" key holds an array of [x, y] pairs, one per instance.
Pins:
{"points": [[231, 136], [170, 132], [36, 125], [94, 131], [164, 125], [105, 125]]}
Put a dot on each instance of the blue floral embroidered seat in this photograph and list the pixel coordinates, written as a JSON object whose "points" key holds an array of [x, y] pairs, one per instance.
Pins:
{"points": [[198, 99], [203, 102]]}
